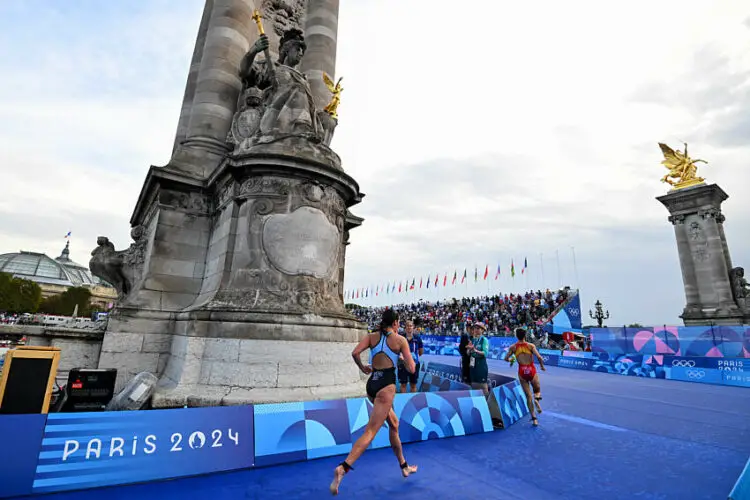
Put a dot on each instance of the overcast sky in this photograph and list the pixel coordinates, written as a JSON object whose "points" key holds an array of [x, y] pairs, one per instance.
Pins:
{"points": [[481, 131]]}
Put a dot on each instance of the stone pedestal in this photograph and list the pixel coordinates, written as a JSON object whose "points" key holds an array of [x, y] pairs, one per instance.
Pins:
{"points": [[232, 291], [695, 213], [78, 348]]}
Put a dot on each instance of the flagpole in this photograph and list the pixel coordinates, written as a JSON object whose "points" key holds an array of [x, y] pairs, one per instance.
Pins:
{"points": [[575, 266], [541, 261]]}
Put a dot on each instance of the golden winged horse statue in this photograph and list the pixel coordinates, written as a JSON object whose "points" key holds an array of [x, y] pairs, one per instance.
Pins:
{"points": [[681, 167], [336, 91]]}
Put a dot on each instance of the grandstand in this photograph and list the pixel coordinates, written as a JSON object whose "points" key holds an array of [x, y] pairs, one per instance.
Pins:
{"points": [[540, 312]]}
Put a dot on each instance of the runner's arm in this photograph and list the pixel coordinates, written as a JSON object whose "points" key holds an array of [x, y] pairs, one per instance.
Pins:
{"points": [[511, 350], [421, 346], [357, 352], [539, 357], [406, 352]]}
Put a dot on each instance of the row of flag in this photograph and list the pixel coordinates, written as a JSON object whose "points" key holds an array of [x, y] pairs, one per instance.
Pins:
{"points": [[408, 285]]}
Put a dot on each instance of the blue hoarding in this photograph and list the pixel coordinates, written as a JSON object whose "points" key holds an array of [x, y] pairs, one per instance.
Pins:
{"points": [[21, 439], [84, 450], [288, 432]]}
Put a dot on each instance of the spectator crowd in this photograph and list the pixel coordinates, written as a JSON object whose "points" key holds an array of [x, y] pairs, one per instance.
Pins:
{"points": [[501, 313]]}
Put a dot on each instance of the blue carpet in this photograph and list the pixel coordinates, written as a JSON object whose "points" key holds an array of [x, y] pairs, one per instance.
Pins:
{"points": [[600, 436]]}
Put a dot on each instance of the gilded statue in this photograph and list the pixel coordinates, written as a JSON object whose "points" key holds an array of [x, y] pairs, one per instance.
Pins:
{"points": [[681, 167], [336, 95]]}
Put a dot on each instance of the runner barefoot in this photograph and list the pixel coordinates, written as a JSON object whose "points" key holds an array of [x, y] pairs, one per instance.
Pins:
{"points": [[385, 347], [527, 375]]}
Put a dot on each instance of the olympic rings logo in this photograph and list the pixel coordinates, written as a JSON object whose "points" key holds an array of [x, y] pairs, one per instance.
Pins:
{"points": [[683, 363], [696, 374]]}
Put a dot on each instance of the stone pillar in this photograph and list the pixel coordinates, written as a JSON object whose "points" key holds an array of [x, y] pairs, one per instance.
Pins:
{"points": [[229, 34], [195, 64], [704, 255], [321, 31]]}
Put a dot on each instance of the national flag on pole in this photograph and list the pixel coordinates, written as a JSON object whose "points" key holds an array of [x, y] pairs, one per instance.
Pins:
{"points": [[475, 274], [486, 271], [455, 276], [497, 274], [67, 235], [437, 277], [367, 292], [445, 279], [525, 265], [399, 287], [464, 277], [412, 284], [512, 269], [420, 282], [428, 280]]}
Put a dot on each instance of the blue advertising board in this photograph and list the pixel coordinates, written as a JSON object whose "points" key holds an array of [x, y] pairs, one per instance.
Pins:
{"points": [[85, 450], [21, 439], [289, 432]]}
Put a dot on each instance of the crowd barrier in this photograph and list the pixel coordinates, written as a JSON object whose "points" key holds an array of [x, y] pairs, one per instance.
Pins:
{"points": [[703, 341], [72, 451], [741, 490], [706, 370]]}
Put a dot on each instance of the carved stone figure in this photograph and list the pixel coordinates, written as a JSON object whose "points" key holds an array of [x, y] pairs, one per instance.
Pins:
{"points": [[285, 119], [284, 14], [740, 287], [106, 264], [120, 269]]}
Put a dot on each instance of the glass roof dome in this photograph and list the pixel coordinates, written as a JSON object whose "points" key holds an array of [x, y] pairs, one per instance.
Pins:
{"points": [[42, 269]]}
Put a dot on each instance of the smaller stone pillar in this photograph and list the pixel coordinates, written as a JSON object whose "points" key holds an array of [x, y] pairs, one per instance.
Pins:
{"points": [[696, 215]]}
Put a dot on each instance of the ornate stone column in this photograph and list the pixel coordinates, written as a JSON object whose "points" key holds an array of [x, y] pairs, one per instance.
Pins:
{"points": [[704, 255], [321, 31], [229, 34], [195, 64]]}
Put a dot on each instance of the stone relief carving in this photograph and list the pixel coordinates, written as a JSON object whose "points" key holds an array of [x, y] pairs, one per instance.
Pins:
{"points": [[122, 269], [284, 14], [302, 242], [710, 213], [258, 185], [192, 202], [699, 243], [676, 219]]}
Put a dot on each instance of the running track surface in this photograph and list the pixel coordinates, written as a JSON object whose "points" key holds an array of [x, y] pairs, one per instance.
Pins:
{"points": [[600, 436]]}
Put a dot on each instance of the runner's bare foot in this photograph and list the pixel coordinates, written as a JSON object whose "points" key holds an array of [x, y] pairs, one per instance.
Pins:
{"points": [[338, 475], [408, 470]]}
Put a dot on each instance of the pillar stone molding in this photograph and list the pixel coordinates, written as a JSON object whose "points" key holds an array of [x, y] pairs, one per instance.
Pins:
{"points": [[704, 258]]}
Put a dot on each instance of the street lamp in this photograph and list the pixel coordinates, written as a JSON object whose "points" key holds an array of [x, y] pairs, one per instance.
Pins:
{"points": [[600, 315]]}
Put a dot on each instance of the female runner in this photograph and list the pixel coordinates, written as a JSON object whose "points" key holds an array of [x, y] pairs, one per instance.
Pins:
{"points": [[386, 346]]}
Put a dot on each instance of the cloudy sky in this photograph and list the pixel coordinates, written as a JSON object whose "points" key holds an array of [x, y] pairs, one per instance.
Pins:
{"points": [[481, 131]]}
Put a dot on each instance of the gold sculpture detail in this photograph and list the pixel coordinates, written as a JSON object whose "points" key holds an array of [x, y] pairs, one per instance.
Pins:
{"points": [[681, 167], [257, 18], [336, 98]]}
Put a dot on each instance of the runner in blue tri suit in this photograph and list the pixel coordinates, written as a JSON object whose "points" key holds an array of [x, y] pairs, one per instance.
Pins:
{"points": [[417, 350], [386, 347]]}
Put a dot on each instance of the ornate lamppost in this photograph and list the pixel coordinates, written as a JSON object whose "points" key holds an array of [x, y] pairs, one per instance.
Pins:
{"points": [[600, 315]]}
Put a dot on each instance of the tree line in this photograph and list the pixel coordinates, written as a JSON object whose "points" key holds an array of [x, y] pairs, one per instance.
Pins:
{"points": [[18, 296]]}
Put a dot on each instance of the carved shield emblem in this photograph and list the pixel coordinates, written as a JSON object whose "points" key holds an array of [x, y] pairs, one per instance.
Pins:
{"points": [[303, 242], [246, 124]]}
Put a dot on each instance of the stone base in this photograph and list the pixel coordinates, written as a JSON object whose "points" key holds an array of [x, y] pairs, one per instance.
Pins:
{"points": [[78, 348], [222, 371]]}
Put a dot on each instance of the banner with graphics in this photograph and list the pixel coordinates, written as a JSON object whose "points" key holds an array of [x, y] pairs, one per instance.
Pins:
{"points": [[86, 450], [703, 341], [288, 432]]}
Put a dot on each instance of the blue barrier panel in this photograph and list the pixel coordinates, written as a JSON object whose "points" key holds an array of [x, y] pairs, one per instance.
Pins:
{"points": [[22, 440], [86, 450], [741, 490], [288, 432], [512, 402], [703, 341]]}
